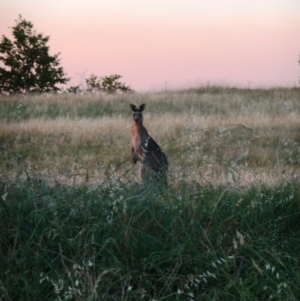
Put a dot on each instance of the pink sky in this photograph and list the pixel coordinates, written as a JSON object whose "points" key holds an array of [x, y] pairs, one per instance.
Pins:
{"points": [[181, 43]]}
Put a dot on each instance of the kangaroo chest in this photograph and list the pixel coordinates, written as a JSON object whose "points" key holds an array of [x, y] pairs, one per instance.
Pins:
{"points": [[139, 136]]}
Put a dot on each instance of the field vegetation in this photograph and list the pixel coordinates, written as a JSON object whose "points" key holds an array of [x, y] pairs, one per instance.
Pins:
{"points": [[77, 223]]}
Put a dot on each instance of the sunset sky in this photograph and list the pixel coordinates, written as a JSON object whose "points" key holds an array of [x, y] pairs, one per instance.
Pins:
{"points": [[169, 43]]}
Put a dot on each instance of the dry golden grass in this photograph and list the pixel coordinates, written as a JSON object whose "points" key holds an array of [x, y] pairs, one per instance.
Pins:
{"points": [[210, 136], [91, 129]]}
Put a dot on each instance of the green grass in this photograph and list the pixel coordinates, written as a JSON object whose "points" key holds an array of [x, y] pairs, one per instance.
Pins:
{"points": [[127, 243], [76, 223], [208, 101]]}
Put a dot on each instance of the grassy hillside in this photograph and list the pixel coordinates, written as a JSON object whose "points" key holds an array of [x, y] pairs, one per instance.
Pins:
{"points": [[77, 224]]}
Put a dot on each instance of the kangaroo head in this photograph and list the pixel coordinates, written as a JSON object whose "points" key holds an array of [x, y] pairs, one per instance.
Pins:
{"points": [[137, 113]]}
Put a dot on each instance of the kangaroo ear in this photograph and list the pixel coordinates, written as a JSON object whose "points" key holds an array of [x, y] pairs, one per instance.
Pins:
{"points": [[142, 107], [133, 107]]}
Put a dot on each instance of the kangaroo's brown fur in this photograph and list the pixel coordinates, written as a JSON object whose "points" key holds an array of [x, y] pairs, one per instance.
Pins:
{"points": [[145, 149]]}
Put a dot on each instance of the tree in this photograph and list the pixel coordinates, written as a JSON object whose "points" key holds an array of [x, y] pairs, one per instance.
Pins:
{"points": [[29, 67], [73, 89], [93, 83], [107, 84], [110, 84]]}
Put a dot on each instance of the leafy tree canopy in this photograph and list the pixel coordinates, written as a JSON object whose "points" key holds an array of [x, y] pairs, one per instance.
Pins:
{"points": [[28, 67], [107, 84]]}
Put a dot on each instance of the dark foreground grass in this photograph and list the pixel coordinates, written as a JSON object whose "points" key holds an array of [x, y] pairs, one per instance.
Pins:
{"points": [[133, 243]]}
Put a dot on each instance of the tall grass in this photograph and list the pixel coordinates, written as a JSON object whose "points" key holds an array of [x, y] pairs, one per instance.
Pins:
{"points": [[124, 243], [77, 224], [216, 131]]}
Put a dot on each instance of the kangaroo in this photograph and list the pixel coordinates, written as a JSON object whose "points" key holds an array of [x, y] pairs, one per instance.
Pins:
{"points": [[145, 149]]}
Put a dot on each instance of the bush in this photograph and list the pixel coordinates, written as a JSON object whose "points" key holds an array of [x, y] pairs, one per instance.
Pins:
{"points": [[107, 84]]}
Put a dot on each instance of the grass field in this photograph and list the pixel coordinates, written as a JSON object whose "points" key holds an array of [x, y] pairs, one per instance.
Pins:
{"points": [[77, 223], [216, 135]]}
